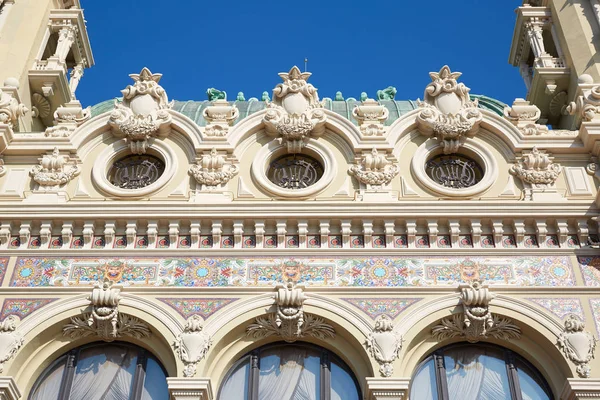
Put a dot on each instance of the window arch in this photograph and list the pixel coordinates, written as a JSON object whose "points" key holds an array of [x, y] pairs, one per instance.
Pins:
{"points": [[290, 371], [103, 371], [484, 371]]}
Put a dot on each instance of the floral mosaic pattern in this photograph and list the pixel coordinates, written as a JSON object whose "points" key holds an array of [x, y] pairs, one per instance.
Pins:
{"points": [[22, 307], [590, 269], [334, 271], [203, 307], [595, 306], [465, 241], [374, 307], [561, 307], [379, 241]]}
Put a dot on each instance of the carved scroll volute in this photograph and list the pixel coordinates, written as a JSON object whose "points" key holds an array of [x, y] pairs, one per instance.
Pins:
{"points": [[447, 111], [192, 344], [295, 114], [587, 106], [384, 344], [578, 345], [143, 113]]}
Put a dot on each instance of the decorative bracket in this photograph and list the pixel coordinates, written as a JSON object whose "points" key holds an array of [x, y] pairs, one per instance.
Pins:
{"points": [[10, 340], [371, 116], [374, 170], [219, 117], [105, 321], [11, 109], [477, 322], [447, 112], [290, 322], [524, 116], [192, 344], [53, 170], [213, 170], [384, 344], [577, 345], [143, 113], [295, 113]]}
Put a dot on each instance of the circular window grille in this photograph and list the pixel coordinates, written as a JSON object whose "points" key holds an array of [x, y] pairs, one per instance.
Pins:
{"points": [[454, 171], [136, 171], [295, 171]]}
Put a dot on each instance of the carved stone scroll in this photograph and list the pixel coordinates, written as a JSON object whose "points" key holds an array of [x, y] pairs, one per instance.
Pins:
{"points": [[587, 106], [192, 344], [577, 344], [10, 108], [384, 344], [476, 323], [144, 112], [295, 113], [447, 111]]}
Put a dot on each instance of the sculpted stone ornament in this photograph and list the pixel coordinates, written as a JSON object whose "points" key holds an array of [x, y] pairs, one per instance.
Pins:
{"points": [[374, 169], [10, 340], [213, 170], [290, 322], [587, 106], [477, 323], [577, 345], [219, 117], [67, 118], [192, 344], [10, 109], [143, 113], [295, 113], [105, 321], [54, 171], [537, 169], [447, 112], [384, 344], [593, 168], [524, 116], [389, 93], [371, 116]]}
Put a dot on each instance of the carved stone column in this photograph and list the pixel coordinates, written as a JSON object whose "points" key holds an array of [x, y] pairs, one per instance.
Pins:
{"points": [[387, 388], [580, 389], [190, 389], [9, 389], [536, 40]]}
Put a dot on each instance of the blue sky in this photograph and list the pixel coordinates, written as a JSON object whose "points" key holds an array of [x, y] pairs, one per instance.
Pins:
{"points": [[351, 46]]}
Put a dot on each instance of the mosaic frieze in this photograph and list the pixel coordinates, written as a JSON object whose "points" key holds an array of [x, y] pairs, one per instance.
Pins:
{"points": [[561, 307], [359, 272], [22, 307], [595, 306], [590, 269], [187, 307], [374, 307]]}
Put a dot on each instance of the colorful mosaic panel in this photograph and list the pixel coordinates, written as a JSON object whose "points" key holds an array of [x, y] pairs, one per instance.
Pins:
{"points": [[401, 241], [203, 307], [292, 241], [56, 242], [141, 242], [552, 241], [314, 241], [3, 266], [22, 307], [373, 307], [98, 242], [422, 241], [270, 241], [573, 241], [335, 241], [590, 269], [595, 306], [444, 242], [35, 242], [77, 242], [508, 242], [465, 241], [379, 241], [357, 241], [561, 307], [487, 241], [333, 271], [120, 242], [15, 243], [530, 241], [227, 241], [206, 241], [249, 241]]}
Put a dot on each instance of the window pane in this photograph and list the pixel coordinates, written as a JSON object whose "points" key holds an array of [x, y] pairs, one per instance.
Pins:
{"points": [[342, 384], [531, 387], [104, 373], [50, 386], [476, 371], [289, 372], [423, 386], [155, 384], [236, 386]]}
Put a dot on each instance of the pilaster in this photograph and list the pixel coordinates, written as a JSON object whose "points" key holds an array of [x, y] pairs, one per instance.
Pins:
{"points": [[387, 388], [190, 388]]}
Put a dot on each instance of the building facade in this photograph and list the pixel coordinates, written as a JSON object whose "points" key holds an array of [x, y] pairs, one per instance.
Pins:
{"points": [[294, 246]]}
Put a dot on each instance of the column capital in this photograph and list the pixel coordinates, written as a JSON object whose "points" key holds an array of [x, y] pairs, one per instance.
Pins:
{"points": [[581, 389], [387, 388], [9, 389], [189, 389]]}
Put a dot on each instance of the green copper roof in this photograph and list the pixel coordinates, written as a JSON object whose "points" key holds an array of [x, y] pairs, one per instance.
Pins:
{"points": [[397, 108]]}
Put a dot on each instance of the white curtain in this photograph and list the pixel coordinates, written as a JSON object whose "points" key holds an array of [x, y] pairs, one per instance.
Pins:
{"points": [[49, 388], [284, 376], [236, 387], [473, 374], [423, 385], [104, 373]]}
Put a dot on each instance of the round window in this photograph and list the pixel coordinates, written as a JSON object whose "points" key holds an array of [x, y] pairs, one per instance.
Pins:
{"points": [[295, 171], [454, 171], [136, 171]]}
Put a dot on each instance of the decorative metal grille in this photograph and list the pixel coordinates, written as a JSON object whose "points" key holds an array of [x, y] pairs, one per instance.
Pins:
{"points": [[136, 172], [454, 171], [295, 171]]}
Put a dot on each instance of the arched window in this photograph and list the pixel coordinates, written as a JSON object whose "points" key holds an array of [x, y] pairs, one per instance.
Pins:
{"points": [[290, 371], [103, 371], [478, 372]]}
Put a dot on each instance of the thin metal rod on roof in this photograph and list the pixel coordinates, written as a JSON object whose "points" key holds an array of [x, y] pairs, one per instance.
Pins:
{"points": [[305, 64]]}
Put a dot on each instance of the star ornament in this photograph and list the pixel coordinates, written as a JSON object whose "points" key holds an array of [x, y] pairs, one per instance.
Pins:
{"points": [[145, 76], [294, 75], [444, 74]]}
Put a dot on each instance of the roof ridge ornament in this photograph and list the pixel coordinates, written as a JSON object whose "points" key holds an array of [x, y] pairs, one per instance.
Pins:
{"points": [[143, 113], [295, 113], [447, 112]]}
